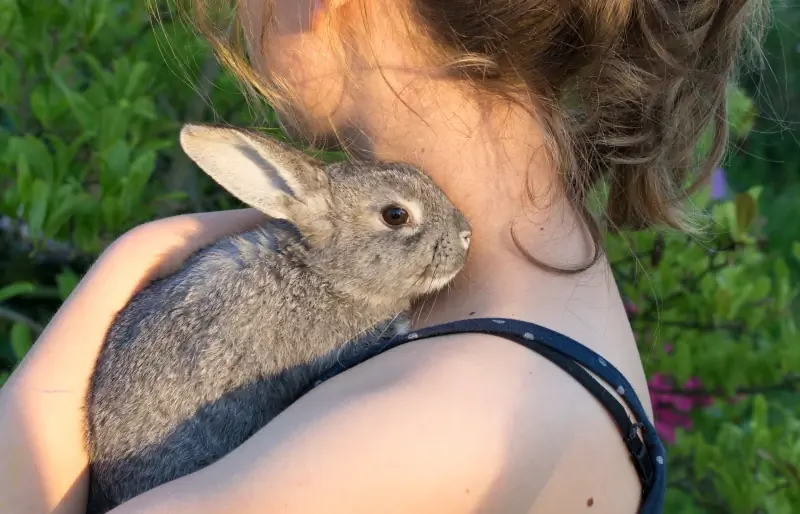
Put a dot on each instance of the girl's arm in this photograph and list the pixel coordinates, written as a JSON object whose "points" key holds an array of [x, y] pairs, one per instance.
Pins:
{"points": [[43, 462]]}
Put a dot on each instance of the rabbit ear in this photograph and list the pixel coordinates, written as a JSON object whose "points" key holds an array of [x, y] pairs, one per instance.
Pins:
{"points": [[261, 172]]}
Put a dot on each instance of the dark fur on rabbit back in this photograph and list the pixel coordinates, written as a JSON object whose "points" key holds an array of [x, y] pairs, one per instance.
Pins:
{"points": [[199, 361]]}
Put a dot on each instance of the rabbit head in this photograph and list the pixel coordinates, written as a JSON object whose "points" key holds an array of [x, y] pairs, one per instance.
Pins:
{"points": [[380, 231]]}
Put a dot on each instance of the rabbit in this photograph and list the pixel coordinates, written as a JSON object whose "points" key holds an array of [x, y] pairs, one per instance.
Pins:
{"points": [[198, 361]]}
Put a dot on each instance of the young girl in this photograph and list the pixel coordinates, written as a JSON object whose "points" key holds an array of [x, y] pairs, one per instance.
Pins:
{"points": [[521, 388]]}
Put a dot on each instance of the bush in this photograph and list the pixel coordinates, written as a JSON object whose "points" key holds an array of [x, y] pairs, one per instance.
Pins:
{"points": [[91, 101], [718, 338], [772, 150]]}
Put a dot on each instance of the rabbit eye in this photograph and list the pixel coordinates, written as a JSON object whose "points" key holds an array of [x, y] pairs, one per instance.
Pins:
{"points": [[395, 216]]}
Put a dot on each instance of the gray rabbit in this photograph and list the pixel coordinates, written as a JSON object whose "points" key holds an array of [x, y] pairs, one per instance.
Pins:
{"points": [[197, 362]]}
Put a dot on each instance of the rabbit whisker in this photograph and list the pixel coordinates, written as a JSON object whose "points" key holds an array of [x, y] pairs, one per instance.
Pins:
{"points": [[432, 288], [431, 278]]}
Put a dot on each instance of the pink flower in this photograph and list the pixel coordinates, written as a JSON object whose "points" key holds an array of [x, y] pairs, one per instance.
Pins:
{"points": [[673, 407], [668, 421], [631, 308]]}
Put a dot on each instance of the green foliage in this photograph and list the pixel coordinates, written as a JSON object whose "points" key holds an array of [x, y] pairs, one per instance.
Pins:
{"points": [[769, 155], [91, 101], [89, 106], [749, 466], [719, 309]]}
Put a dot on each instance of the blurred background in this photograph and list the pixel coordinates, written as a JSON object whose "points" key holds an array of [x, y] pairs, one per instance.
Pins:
{"points": [[92, 96]]}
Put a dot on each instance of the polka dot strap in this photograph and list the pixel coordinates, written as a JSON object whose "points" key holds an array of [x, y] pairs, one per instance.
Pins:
{"points": [[530, 334], [563, 354], [647, 454]]}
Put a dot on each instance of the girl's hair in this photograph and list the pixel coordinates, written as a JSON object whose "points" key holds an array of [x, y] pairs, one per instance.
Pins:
{"points": [[625, 88]]}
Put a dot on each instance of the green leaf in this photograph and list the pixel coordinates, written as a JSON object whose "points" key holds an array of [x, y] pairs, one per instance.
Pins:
{"points": [[145, 108], [21, 341], [114, 122], [724, 304], [702, 198], [24, 178], [10, 81], [64, 158], [97, 19], [117, 159], [15, 289], [724, 216], [761, 288], [95, 65], [40, 107], [755, 192], [741, 112], [109, 209], [66, 281], [759, 411], [38, 210], [35, 153], [136, 79], [83, 111], [781, 284], [68, 203], [143, 166], [745, 211]]}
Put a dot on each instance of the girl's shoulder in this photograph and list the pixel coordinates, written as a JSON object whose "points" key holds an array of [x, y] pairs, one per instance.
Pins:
{"points": [[559, 398], [500, 427]]}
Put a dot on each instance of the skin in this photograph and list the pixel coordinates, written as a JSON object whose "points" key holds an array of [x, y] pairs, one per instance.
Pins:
{"points": [[456, 424]]}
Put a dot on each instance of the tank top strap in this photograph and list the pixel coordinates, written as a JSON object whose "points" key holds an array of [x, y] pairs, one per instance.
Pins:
{"points": [[647, 452]]}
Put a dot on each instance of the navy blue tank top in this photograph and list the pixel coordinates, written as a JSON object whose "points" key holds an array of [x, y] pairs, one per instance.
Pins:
{"points": [[647, 452]]}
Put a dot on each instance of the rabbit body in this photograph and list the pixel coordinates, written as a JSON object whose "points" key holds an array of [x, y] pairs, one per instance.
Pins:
{"points": [[199, 361]]}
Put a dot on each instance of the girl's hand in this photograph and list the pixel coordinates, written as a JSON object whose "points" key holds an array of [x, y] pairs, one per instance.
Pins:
{"points": [[43, 468]]}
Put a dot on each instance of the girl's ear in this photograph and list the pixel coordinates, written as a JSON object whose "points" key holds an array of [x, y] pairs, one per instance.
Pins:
{"points": [[261, 172]]}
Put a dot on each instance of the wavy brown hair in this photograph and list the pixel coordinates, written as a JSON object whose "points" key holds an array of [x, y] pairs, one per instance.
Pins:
{"points": [[625, 88]]}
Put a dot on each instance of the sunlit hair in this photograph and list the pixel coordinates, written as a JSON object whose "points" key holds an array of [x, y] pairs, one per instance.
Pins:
{"points": [[625, 88]]}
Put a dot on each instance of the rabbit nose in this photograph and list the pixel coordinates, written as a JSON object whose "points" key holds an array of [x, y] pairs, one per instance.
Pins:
{"points": [[465, 236]]}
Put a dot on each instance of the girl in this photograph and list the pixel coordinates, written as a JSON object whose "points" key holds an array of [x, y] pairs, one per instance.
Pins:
{"points": [[522, 391]]}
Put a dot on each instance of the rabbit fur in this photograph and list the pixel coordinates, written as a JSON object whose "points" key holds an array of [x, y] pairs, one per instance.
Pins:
{"points": [[200, 360]]}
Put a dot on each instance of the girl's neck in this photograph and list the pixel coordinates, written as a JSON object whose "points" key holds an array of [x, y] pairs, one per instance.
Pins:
{"points": [[492, 163]]}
